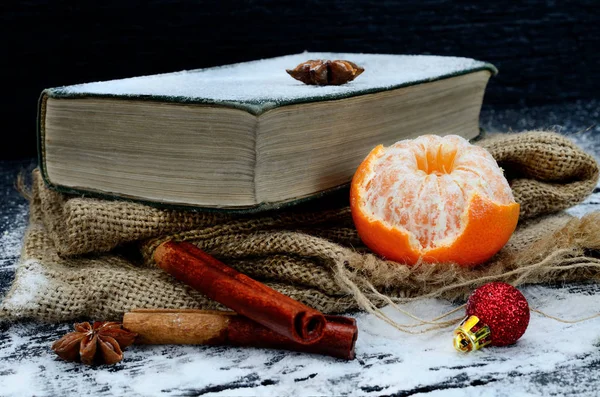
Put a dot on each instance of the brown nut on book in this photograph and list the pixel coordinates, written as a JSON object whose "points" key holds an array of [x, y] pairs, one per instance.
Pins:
{"points": [[326, 72]]}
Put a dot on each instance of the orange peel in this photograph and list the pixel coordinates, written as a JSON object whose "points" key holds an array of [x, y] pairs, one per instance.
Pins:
{"points": [[434, 199]]}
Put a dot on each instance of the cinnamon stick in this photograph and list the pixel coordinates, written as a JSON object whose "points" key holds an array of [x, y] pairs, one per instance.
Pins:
{"points": [[247, 297], [205, 327]]}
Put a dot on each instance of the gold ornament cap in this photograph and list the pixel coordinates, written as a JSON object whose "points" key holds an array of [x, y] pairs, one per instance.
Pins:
{"points": [[471, 335]]}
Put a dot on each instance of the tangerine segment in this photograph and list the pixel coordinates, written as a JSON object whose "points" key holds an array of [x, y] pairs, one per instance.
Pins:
{"points": [[438, 199]]}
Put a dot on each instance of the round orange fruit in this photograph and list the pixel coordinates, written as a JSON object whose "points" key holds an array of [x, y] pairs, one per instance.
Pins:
{"points": [[435, 199]]}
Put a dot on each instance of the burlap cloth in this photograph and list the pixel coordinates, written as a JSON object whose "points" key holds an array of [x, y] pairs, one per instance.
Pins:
{"points": [[87, 257]]}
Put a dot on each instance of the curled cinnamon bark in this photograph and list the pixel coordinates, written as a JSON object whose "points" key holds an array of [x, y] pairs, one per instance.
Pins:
{"points": [[240, 293], [204, 327]]}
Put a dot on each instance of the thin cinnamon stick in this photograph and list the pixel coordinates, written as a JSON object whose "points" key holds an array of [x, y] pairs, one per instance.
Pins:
{"points": [[240, 293], [205, 327]]}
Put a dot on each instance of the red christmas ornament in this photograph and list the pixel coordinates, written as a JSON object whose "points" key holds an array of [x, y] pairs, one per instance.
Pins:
{"points": [[497, 315]]}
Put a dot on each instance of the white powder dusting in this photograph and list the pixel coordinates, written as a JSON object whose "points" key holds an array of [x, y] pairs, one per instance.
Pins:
{"points": [[32, 284], [19, 382], [11, 239], [266, 81], [387, 361], [590, 141]]}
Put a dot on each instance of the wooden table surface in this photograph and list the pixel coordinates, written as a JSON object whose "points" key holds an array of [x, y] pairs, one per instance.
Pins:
{"points": [[551, 359]]}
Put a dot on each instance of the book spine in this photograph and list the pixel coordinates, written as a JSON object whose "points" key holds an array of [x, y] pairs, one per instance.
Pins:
{"points": [[40, 131]]}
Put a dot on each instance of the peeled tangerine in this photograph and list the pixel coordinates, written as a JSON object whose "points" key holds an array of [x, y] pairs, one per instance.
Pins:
{"points": [[438, 199]]}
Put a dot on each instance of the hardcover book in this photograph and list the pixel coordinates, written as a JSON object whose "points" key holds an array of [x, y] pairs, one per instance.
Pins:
{"points": [[248, 136]]}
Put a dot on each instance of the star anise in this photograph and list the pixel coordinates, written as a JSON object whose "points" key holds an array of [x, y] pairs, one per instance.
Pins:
{"points": [[325, 72], [97, 344]]}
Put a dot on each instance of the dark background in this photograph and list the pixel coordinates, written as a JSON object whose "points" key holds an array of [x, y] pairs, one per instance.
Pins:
{"points": [[546, 51]]}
